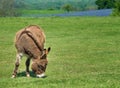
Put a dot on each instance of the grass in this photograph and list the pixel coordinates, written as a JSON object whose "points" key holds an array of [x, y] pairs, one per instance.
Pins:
{"points": [[39, 13], [42, 11], [85, 52]]}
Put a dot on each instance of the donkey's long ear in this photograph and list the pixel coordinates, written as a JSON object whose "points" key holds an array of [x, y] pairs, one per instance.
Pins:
{"points": [[48, 50]]}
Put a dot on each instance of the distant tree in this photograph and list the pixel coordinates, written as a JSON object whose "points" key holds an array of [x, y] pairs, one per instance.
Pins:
{"points": [[116, 11], [67, 7], [7, 8], [20, 4], [105, 4]]}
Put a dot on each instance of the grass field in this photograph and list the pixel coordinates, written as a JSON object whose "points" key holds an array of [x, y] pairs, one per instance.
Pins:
{"points": [[85, 52], [34, 13], [41, 11]]}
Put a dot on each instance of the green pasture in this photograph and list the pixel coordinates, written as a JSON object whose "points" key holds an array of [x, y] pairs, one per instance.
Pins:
{"points": [[41, 11], [33, 13], [85, 52]]}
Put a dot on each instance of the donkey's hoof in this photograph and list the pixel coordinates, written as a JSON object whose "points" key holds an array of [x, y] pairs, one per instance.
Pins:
{"points": [[13, 76], [40, 75], [28, 75]]}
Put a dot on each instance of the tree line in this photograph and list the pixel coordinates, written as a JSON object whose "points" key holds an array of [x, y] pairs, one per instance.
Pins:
{"points": [[11, 7], [53, 4], [107, 4]]}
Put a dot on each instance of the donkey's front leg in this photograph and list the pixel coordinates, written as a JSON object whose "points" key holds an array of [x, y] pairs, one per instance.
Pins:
{"points": [[17, 63], [27, 66]]}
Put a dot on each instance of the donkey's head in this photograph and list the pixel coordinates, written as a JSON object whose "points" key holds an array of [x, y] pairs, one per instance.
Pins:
{"points": [[39, 66]]}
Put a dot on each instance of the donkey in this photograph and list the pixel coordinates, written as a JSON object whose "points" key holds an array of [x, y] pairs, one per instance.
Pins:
{"points": [[30, 41]]}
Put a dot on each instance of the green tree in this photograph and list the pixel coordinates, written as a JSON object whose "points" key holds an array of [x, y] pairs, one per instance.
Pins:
{"points": [[67, 7], [105, 4], [116, 11], [7, 8]]}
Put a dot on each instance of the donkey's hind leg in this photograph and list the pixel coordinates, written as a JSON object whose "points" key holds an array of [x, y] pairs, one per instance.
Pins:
{"points": [[27, 66], [17, 63]]}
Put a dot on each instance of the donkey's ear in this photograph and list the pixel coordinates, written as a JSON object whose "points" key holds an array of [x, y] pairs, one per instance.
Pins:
{"points": [[49, 49]]}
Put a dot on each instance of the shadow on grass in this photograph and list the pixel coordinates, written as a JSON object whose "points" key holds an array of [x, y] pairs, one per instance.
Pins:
{"points": [[32, 74], [23, 74]]}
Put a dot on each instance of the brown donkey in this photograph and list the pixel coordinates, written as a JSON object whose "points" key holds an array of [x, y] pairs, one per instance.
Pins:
{"points": [[30, 42]]}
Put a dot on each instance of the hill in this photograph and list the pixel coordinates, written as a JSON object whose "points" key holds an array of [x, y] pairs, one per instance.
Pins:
{"points": [[55, 4]]}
